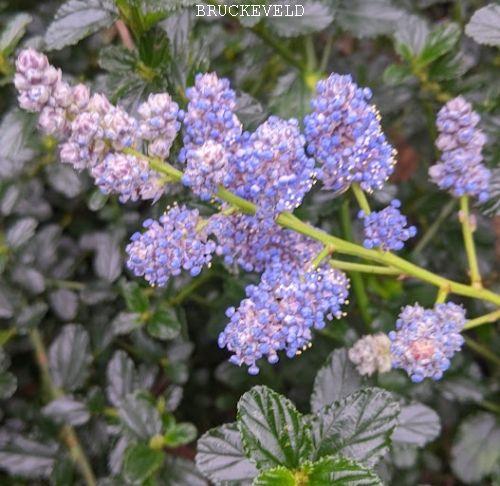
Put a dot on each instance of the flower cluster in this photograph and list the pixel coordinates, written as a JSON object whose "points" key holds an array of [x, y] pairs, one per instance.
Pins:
{"points": [[128, 176], [255, 245], [159, 123], [371, 353], [426, 339], [41, 89], [206, 169], [271, 167], [174, 243], [386, 229], [280, 313], [460, 169], [210, 113], [343, 133]]}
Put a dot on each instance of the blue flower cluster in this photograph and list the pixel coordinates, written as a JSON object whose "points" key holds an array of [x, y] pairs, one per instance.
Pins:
{"points": [[460, 169], [343, 133], [272, 168], [210, 113], [426, 339], [254, 244], [174, 243], [280, 313], [386, 229], [207, 167]]}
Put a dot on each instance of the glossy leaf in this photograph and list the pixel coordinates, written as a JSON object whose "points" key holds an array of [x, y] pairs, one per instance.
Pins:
{"points": [[220, 456], [335, 380], [417, 424], [77, 19], [121, 377], [164, 324], [13, 32], [358, 426], [139, 416], [141, 462], [67, 410], [69, 357], [273, 432], [484, 25]]}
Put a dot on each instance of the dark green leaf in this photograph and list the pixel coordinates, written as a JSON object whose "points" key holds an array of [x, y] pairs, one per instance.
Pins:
{"points": [[125, 322], [279, 476], [317, 16], [484, 26], [397, 74], [164, 324], [273, 432], [141, 462], [121, 377], [67, 410], [179, 434], [27, 458], [417, 424], [451, 66], [108, 261], [220, 456], [64, 180], [139, 416], [134, 296], [340, 471], [64, 303], [31, 316], [410, 36], [21, 232], [69, 357], [368, 18], [181, 472], [77, 19], [476, 448], [13, 32], [359, 426], [439, 42], [337, 379]]}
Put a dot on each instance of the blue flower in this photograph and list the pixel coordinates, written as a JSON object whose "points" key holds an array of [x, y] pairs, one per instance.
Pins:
{"points": [[386, 229], [426, 339], [343, 133], [460, 170]]}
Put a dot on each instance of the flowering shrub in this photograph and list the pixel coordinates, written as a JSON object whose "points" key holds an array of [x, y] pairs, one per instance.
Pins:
{"points": [[240, 149]]}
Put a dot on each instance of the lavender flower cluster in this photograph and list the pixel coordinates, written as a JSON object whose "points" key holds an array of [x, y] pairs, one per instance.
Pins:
{"points": [[426, 339], [273, 167], [343, 133], [372, 353], [386, 229], [280, 313], [460, 170]]}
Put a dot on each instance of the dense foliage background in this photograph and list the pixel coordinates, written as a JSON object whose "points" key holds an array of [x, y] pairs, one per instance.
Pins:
{"points": [[72, 316]]}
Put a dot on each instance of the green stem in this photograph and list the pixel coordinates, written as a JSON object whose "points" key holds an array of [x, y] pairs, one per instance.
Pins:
{"points": [[321, 256], [482, 351], [289, 221], [433, 229], [68, 434], [190, 288], [479, 321], [327, 50], [361, 267], [442, 295], [469, 242], [361, 198], [358, 285], [492, 407]]}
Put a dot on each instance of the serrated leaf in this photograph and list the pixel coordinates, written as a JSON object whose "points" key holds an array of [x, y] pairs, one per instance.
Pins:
{"points": [[179, 434], [69, 357], [21, 232], [64, 180], [417, 425], [368, 18], [31, 316], [64, 303], [476, 448], [27, 458], [67, 410], [125, 322], [134, 296], [335, 380], [396, 74], [121, 377], [317, 16], [221, 458], [108, 260], [182, 472], [273, 432], [484, 26], [278, 476], [13, 32], [330, 470], [139, 416], [141, 462], [410, 36], [359, 426], [439, 42], [164, 324], [77, 19]]}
